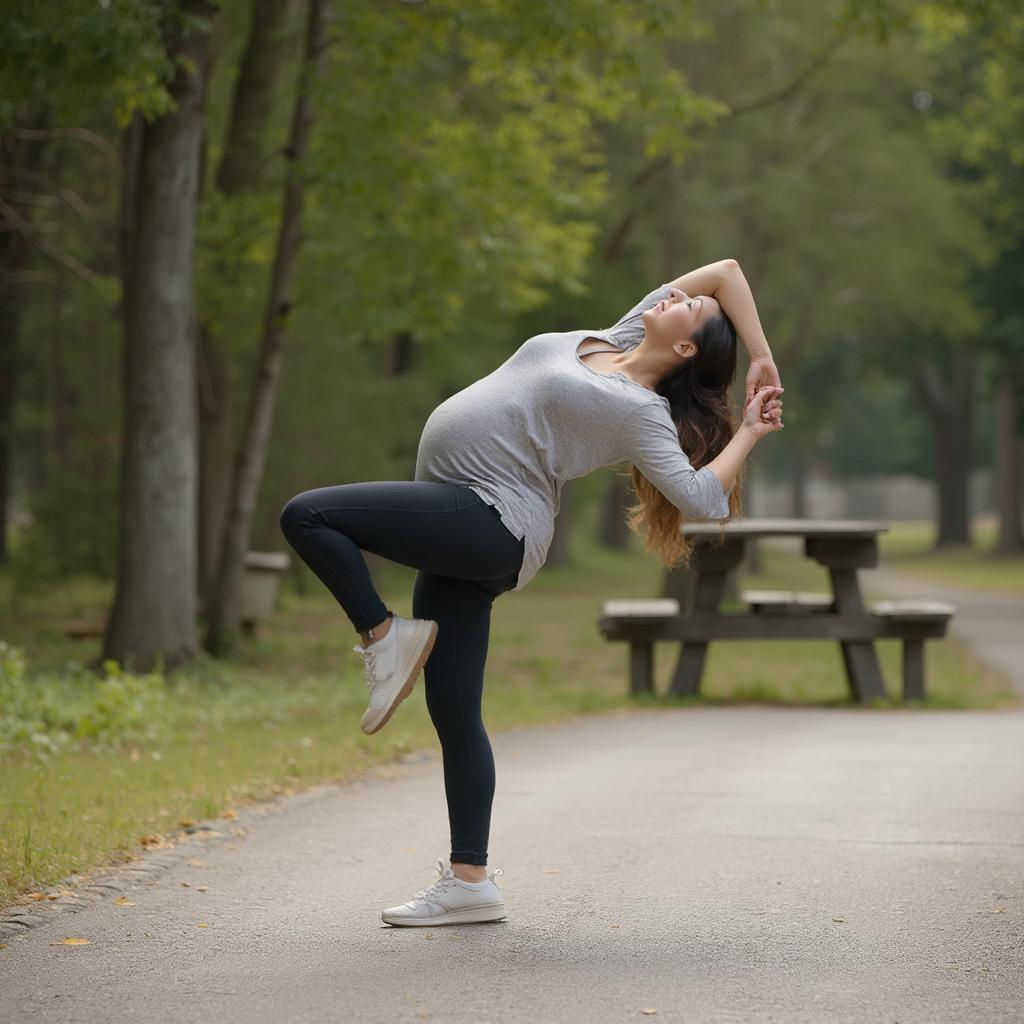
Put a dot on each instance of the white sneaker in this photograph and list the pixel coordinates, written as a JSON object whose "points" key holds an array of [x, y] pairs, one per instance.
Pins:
{"points": [[392, 665], [451, 901]]}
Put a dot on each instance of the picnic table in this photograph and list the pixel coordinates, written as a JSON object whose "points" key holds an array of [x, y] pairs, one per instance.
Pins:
{"points": [[843, 547]]}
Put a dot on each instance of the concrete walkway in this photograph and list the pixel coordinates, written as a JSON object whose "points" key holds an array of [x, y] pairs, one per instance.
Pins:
{"points": [[746, 864]]}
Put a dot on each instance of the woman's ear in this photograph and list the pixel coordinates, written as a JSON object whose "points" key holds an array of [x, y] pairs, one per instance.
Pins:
{"points": [[685, 349]]}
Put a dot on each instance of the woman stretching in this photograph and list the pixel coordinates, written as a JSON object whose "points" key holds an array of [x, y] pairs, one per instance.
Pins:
{"points": [[653, 390]]}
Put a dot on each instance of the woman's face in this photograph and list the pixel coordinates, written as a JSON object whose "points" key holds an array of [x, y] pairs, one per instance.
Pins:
{"points": [[677, 318]]}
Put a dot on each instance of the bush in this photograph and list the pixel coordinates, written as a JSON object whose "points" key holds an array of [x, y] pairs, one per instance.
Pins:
{"points": [[52, 712]]}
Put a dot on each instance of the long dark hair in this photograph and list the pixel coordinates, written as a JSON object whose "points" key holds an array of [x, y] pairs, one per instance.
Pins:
{"points": [[700, 406]]}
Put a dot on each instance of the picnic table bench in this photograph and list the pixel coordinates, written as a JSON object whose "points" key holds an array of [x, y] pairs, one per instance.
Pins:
{"points": [[842, 547]]}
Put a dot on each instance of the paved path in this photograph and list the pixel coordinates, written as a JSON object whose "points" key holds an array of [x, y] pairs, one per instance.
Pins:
{"points": [[748, 864]]}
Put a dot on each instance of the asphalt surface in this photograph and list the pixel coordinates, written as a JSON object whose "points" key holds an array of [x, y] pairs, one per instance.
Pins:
{"points": [[745, 864]]}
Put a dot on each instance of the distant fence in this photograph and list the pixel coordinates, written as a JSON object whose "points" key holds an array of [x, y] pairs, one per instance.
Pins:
{"points": [[900, 497]]}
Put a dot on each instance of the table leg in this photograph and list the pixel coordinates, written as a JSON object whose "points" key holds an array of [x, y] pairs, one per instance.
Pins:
{"points": [[913, 669], [686, 678], [863, 673], [641, 667]]}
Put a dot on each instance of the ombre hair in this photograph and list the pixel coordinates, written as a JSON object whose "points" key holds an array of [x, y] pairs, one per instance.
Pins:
{"points": [[700, 407]]}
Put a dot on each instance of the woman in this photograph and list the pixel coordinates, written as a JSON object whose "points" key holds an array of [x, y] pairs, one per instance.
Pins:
{"points": [[477, 520]]}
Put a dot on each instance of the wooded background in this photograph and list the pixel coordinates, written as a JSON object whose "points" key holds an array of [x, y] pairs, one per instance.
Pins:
{"points": [[247, 247]]}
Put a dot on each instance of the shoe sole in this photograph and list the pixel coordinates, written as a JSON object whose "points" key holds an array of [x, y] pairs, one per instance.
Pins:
{"points": [[475, 915], [408, 685]]}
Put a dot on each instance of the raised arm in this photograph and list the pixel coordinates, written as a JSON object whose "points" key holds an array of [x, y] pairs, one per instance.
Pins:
{"points": [[724, 281]]}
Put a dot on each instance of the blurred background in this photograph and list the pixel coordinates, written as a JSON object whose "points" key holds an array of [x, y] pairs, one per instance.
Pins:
{"points": [[247, 247]]}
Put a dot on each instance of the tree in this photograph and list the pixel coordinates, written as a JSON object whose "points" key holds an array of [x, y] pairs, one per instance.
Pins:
{"points": [[234, 222], [224, 606], [153, 618], [979, 126], [62, 64]]}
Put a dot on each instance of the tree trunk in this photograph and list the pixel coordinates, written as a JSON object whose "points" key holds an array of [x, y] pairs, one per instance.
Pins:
{"points": [[950, 409], [242, 166], [222, 622], [1008, 459], [242, 169], [18, 157], [12, 254], [214, 391], [153, 619]]}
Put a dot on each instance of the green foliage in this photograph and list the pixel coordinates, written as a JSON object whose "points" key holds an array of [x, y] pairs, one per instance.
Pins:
{"points": [[457, 158], [68, 57], [980, 129], [52, 712]]}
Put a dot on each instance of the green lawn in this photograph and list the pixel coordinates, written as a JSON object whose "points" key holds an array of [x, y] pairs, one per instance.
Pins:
{"points": [[909, 548], [286, 713]]}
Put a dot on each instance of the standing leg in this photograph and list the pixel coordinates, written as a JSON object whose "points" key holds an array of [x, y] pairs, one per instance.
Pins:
{"points": [[454, 690], [465, 557]]}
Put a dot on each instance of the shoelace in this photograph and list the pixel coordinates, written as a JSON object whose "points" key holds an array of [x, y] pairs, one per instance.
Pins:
{"points": [[442, 883], [370, 657], [438, 887]]}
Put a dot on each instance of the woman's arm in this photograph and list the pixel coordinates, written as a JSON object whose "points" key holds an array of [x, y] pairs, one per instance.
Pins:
{"points": [[762, 416], [725, 281]]}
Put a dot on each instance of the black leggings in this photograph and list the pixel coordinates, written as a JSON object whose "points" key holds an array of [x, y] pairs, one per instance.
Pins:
{"points": [[466, 557]]}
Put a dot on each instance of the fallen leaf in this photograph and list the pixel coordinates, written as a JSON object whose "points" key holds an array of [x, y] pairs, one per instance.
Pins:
{"points": [[203, 888], [187, 886], [228, 813], [202, 924], [3, 945], [839, 919], [552, 871], [650, 1011], [72, 941], [37, 895], [123, 901], [186, 822]]}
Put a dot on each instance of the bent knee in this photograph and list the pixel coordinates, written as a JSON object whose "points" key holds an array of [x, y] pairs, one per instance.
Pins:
{"points": [[295, 512]]}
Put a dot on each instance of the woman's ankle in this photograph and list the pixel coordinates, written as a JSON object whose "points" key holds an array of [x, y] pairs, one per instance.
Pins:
{"points": [[378, 632], [469, 872]]}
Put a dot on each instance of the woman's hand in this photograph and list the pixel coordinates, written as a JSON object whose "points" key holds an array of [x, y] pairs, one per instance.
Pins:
{"points": [[763, 414], [762, 374]]}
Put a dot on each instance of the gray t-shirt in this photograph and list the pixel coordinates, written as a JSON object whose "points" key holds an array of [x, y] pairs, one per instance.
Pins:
{"points": [[544, 417]]}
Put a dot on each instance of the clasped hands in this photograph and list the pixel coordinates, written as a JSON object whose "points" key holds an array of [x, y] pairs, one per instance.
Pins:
{"points": [[762, 375]]}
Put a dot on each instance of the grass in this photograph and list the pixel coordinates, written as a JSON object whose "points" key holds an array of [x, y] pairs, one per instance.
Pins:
{"points": [[285, 713], [909, 547]]}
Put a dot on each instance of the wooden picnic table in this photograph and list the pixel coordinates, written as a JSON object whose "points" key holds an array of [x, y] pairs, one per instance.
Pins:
{"points": [[841, 546]]}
